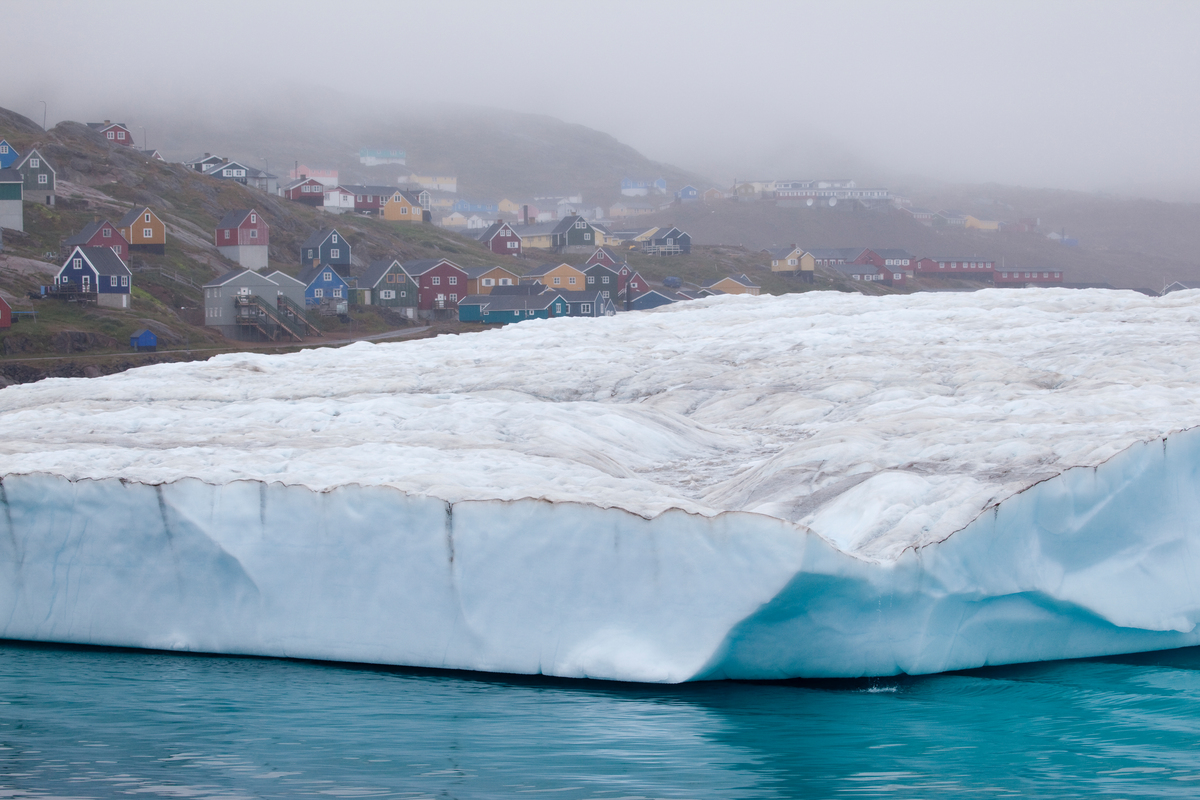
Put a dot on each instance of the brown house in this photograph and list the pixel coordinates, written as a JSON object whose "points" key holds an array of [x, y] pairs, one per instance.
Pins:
{"points": [[144, 231]]}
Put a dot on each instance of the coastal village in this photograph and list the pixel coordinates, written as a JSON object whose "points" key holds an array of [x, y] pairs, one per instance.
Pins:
{"points": [[552, 255]]}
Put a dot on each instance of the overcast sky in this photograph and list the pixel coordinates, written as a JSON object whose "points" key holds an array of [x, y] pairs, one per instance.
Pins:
{"points": [[1082, 95]]}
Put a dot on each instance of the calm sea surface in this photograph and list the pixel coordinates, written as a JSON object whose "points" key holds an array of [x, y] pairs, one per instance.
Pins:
{"points": [[78, 722]]}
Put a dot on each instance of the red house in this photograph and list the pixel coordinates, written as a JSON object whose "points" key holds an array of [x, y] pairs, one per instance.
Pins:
{"points": [[898, 259], [440, 285], [623, 273], [500, 238], [1028, 277], [243, 236], [100, 233], [115, 132], [604, 256], [306, 190], [955, 267], [633, 286], [5, 314]]}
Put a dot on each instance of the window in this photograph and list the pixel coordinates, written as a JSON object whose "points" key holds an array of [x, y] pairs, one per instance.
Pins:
{"points": [[3, 149], [77, 263], [452, 280], [604, 279], [107, 232], [557, 281], [387, 294], [120, 134], [435, 281], [147, 233], [358, 198], [453, 297], [403, 209], [587, 237], [35, 162], [505, 282], [530, 312], [513, 245], [112, 135], [337, 292], [403, 294], [791, 262], [253, 233], [112, 280], [591, 279], [581, 224], [605, 295], [585, 308], [328, 276], [227, 233], [335, 253], [43, 179], [335, 241], [253, 219], [400, 278], [571, 281], [489, 282], [318, 292]]}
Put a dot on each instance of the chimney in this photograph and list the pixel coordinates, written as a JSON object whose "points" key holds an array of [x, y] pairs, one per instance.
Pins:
{"points": [[206, 155], [108, 122]]}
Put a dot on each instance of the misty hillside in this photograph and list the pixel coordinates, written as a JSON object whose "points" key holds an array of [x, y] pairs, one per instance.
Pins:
{"points": [[1128, 243], [494, 153]]}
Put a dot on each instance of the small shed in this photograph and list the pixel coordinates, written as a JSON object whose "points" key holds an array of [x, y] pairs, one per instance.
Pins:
{"points": [[144, 341]]}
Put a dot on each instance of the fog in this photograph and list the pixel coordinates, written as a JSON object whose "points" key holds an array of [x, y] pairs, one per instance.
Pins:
{"points": [[1094, 96]]}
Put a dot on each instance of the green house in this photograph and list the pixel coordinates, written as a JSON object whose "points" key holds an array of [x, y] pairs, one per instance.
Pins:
{"points": [[387, 284]]}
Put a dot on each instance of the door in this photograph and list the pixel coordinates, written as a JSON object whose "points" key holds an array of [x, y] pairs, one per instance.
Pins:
{"points": [[83, 282]]}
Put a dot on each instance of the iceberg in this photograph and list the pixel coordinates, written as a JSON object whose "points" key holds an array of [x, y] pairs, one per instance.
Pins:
{"points": [[816, 485]]}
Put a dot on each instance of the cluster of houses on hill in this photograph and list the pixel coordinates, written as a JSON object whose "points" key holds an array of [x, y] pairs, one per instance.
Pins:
{"points": [[245, 303], [895, 267]]}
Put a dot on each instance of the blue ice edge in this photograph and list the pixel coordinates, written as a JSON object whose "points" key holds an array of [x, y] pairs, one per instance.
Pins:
{"points": [[1095, 561]]}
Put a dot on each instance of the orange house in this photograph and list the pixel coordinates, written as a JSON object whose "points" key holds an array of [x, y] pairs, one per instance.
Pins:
{"points": [[481, 280], [563, 277], [144, 231], [403, 206]]}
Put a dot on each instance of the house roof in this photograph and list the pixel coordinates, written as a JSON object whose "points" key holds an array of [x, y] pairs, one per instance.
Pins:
{"points": [[279, 275], [87, 233], [511, 302], [582, 296], [104, 260], [316, 239], [251, 172], [537, 229], [742, 279], [960, 259], [545, 268], [891, 252], [856, 269], [376, 271], [234, 218], [489, 233], [782, 252], [10, 175], [479, 272], [227, 277], [133, 216], [99, 126], [299, 182], [358, 188], [423, 265]]}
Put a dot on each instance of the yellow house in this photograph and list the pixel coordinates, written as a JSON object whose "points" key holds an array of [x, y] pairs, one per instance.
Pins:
{"points": [[558, 276], [455, 220], [645, 235], [793, 259], [735, 285], [538, 236], [507, 206], [981, 224], [144, 231], [403, 207]]}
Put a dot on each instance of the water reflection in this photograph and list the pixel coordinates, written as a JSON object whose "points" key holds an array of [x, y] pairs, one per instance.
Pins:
{"points": [[78, 722]]}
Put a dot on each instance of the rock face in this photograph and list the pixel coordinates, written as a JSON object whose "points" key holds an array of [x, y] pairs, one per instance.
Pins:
{"points": [[824, 485], [81, 341]]}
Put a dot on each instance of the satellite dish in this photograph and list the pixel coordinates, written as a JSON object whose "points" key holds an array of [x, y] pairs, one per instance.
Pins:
{"points": [[832, 202], [810, 201]]}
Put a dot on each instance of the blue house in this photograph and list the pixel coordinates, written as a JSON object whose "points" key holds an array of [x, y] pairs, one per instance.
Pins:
{"points": [[144, 341], [8, 154], [467, 207], [505, 308], [688, 194], [326, 247], [653, 299], [323, 284], [96, 270]]}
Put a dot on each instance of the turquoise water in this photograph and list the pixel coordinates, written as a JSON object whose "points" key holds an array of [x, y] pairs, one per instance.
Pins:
{"points": [[79, 722]]}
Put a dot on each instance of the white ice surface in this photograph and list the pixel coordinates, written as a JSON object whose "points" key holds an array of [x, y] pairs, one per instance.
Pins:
{"points": [[857, 431]]}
